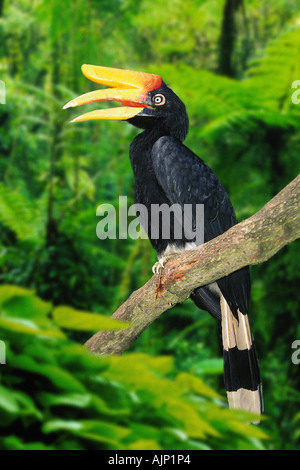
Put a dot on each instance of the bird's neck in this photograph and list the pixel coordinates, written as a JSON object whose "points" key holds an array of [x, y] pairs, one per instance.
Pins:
{"points": [[141, 147]]}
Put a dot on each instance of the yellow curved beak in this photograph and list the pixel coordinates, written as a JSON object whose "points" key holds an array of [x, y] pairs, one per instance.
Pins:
{"points": [[128, 87]]}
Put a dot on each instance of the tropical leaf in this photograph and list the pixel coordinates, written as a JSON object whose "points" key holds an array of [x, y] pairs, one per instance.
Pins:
{"points": [[67, 317]]}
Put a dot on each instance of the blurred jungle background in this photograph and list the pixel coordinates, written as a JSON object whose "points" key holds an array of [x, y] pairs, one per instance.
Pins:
{"points": [[233, 64]]}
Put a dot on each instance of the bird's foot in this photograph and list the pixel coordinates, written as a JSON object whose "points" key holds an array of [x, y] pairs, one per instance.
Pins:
{"points": [[159, 265]]}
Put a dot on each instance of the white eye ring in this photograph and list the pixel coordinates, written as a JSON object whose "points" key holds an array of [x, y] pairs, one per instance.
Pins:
{"points": [[158, 100]]}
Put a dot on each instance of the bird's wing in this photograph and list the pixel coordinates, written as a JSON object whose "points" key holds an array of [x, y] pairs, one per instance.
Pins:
{"points": [[186, 179]]}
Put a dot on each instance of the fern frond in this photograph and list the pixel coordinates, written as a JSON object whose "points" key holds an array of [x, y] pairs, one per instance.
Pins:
{"points": [[217, 103], [18, 215], [273, 74]]}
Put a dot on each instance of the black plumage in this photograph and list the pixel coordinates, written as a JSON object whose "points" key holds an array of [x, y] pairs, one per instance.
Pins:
{"points": [[168, 173]]}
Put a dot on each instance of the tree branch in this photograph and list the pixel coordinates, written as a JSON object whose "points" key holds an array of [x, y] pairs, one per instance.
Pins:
{"points": [[250, 242]]}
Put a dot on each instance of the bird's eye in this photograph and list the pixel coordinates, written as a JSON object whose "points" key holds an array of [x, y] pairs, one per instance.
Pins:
{"points": [[158, 100]]}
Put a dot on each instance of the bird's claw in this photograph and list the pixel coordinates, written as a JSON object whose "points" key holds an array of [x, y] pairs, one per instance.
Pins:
{"points": [[159, 265]]}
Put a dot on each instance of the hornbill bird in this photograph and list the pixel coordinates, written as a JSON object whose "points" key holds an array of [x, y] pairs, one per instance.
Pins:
{"points": [[167, 172]]}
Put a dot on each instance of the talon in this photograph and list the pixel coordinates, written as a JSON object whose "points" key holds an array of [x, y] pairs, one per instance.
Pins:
{"points": [[154, 268], [161, 262], [159, 265]]}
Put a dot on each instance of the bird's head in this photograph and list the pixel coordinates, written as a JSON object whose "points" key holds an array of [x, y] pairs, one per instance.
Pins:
{"points": [[148, 101]]}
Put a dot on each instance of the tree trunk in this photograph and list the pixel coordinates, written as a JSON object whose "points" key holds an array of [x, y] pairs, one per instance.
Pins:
{"points": [[1, 8], [227, 39], [52, 224]]}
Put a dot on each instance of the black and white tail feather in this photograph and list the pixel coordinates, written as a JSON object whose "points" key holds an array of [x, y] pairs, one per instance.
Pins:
{"points": [[241, 368]]}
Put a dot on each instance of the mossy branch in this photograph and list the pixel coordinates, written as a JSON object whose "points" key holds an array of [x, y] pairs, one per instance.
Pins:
{"points": [[250, 242]]}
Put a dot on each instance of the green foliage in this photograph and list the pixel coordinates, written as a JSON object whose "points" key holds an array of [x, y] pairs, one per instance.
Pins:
{"points": [[53, 175], [55, 395], [17, 216]]}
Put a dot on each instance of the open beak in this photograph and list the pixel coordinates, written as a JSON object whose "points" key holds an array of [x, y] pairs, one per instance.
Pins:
{"points": [[129, 88]]}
